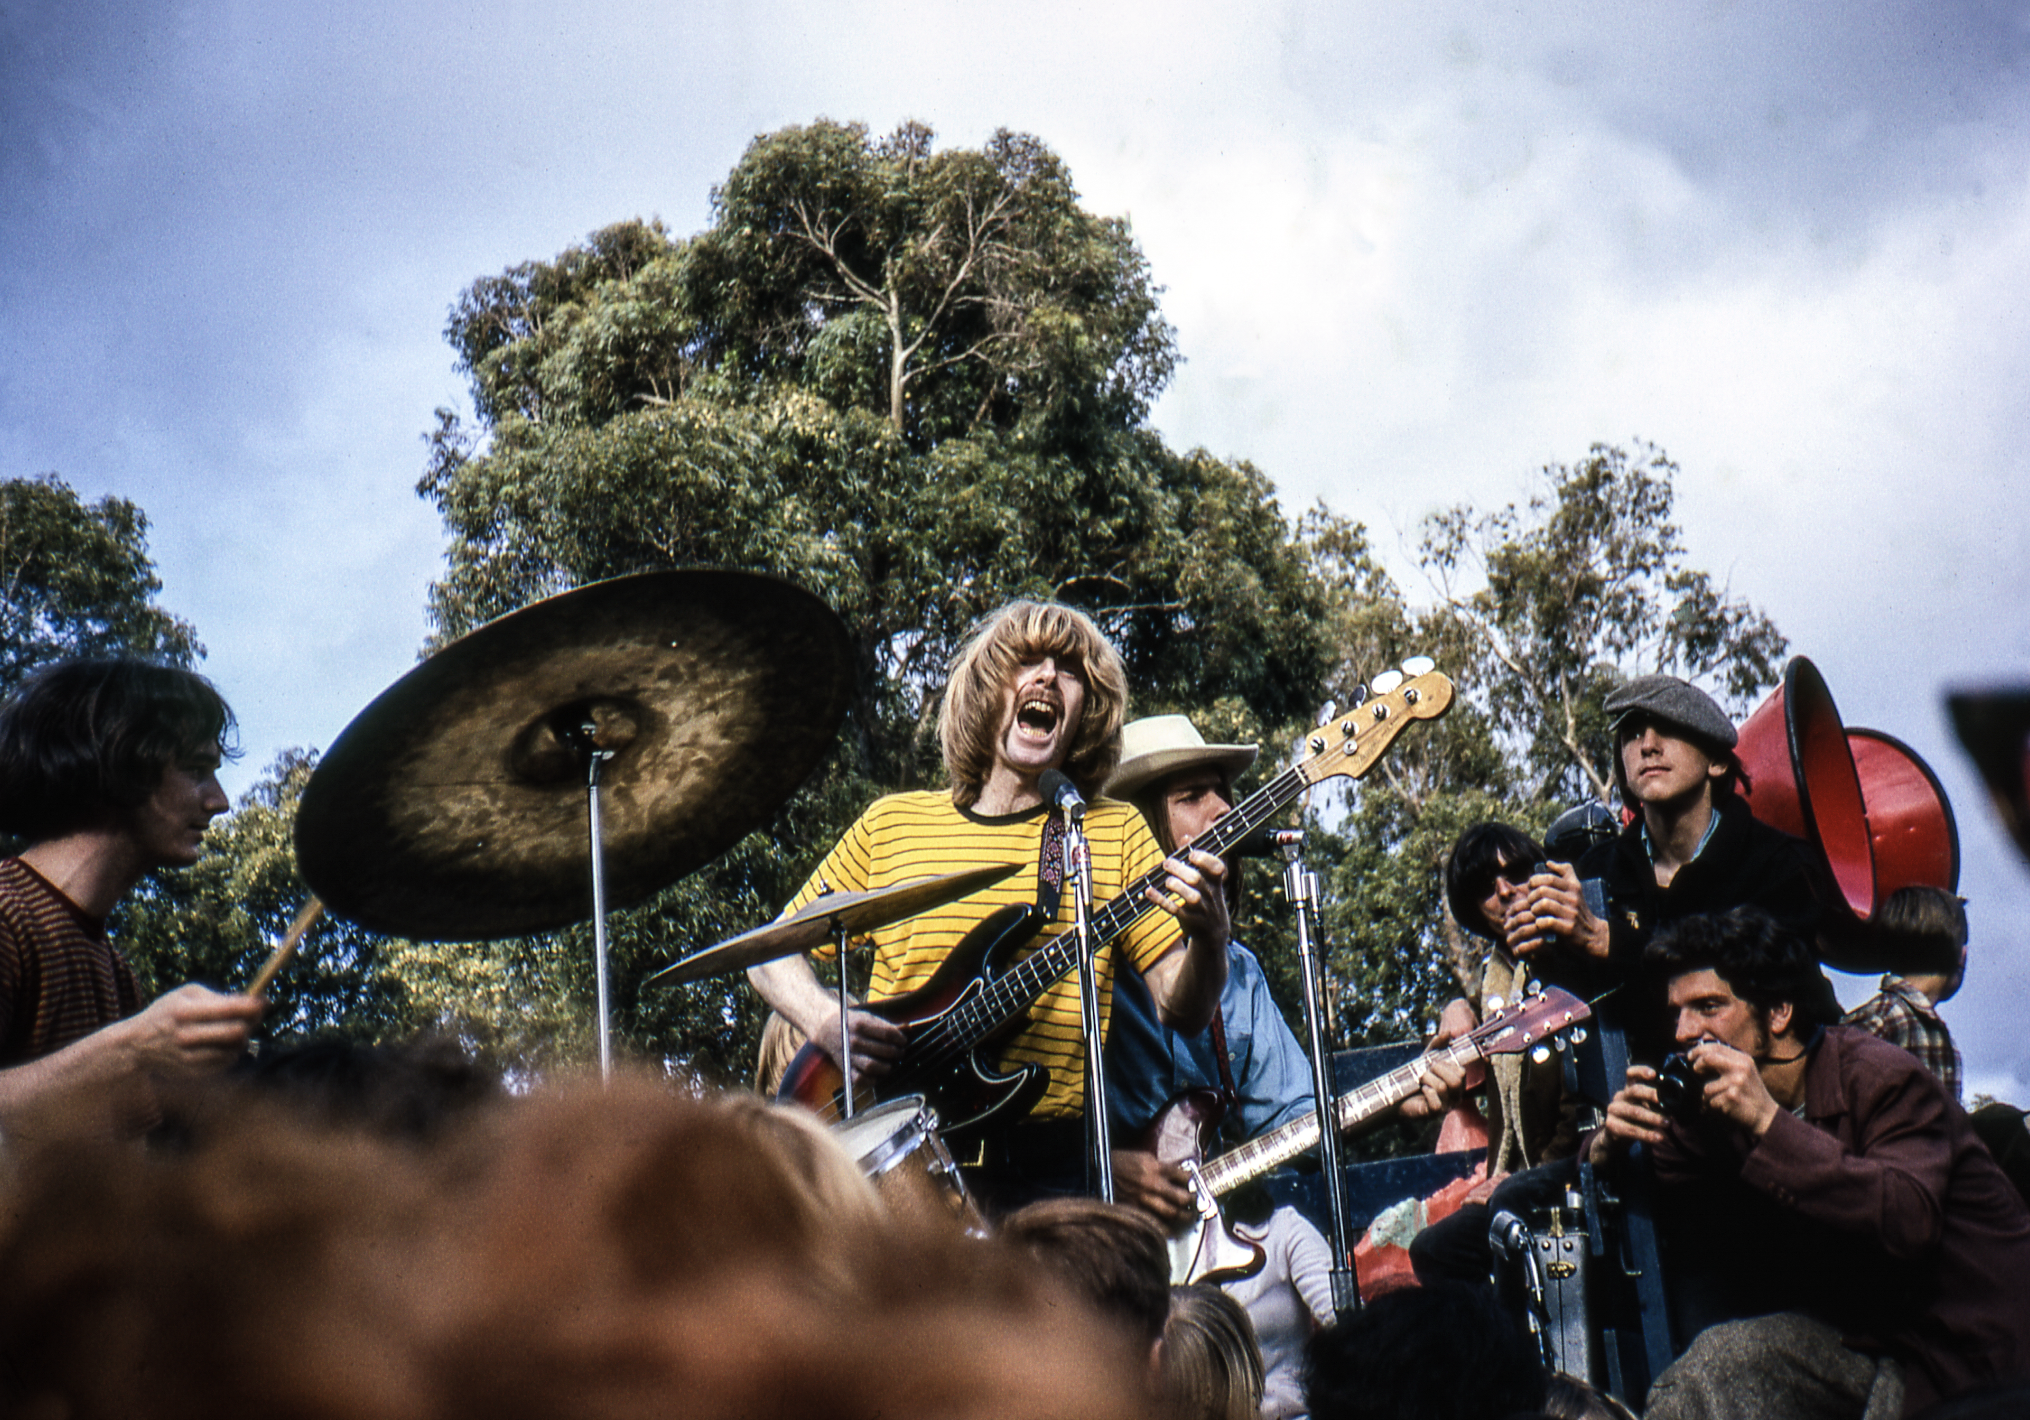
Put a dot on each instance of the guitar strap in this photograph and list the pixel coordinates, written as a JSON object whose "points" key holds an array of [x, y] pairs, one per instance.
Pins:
{"points": [[1228, 1095], [1050, 866]]}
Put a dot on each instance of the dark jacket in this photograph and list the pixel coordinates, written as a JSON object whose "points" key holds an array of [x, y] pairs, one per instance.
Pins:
{"points": [[1878, 1212], [1745, 863]]}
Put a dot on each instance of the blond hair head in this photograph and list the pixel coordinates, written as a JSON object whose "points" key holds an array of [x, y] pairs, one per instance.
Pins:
{"points": [[969, 718]]}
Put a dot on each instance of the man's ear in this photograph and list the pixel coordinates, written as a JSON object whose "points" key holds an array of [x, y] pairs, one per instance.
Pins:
{"points": [[1780, 1017]]}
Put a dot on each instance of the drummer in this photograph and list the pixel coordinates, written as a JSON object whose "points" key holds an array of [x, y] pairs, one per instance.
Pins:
{"points": [[1035, 688], [109, 770]]}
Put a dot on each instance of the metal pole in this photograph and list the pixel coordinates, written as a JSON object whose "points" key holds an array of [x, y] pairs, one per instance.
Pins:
{"points": [[1301, 887], [845, 1030], [1078, 856], [594, 759]]}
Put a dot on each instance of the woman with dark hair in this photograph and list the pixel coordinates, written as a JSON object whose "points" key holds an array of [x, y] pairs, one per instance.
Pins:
{"points": [[110, 770]]}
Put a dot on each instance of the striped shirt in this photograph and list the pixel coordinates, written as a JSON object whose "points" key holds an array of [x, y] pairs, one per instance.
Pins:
{"points": [[60, 979], [918, 835]]}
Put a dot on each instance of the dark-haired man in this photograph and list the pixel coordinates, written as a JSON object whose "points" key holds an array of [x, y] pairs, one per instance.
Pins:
{"points": [[109, 770], [1826, 1195]]}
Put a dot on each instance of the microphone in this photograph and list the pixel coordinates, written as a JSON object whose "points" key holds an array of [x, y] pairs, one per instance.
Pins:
{"points": [[1265, 843], [1058, 789], [1508, 1235]]}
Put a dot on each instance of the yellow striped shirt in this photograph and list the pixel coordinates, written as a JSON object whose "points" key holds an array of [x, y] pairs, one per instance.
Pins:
{"points": [[919, 835]]}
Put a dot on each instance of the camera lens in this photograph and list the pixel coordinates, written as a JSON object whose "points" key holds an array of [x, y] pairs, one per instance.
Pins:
{"points": [[1679, 1091]]}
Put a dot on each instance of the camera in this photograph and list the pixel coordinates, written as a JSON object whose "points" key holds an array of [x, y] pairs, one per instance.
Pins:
{"points": [[1680, 1089]]}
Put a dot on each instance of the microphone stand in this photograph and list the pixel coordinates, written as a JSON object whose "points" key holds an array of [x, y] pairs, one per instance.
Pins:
{"points": [[1300, 886], [1078, 861]]}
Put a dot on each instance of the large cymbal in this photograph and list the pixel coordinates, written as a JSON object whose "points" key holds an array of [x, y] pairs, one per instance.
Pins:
{"points": [[818, 919], [450, 807]]}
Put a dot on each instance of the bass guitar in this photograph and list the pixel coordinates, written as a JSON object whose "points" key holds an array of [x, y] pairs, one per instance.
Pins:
{"points": [[981, 990], [1531, 1022]]}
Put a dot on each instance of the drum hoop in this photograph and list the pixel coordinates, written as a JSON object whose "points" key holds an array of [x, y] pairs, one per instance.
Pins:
{"points": [[912, 1128]]}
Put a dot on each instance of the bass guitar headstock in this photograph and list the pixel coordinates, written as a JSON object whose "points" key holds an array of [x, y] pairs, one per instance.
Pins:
{"points": [[1349, 744]]}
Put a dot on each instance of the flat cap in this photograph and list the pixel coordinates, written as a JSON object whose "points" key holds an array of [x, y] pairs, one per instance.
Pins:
{"points": [[1673, 702]]}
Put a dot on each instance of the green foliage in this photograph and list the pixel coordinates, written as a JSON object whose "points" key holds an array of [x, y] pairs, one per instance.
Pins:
{"points": [[1585, 587], [1581, 588], [911, 380], [76, 580]]}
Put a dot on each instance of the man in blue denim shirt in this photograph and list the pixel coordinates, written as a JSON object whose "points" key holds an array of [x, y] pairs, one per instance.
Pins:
{"points": [[1183, 785]]}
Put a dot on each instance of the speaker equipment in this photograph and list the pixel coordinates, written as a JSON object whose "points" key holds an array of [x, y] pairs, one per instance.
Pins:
{"points": [[1799, 775], [1910, 820], [1873, 812]]}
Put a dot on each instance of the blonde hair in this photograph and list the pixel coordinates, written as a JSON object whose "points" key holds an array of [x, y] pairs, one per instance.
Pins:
{"points": [[780, 1042], [1212, 1365], [968, 719]]}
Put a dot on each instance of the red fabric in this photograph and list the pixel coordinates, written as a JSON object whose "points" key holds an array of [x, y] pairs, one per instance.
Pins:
{"points": [[1382, 1267]]}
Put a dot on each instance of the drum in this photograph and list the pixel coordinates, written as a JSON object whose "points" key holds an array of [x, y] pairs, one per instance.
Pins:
{"points": [[899, 1150]]}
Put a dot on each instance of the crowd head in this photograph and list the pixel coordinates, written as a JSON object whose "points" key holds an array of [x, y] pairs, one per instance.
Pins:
{"points": [[618, 1251]]}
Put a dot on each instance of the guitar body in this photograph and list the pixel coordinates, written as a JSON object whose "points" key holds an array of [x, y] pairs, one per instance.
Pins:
{"points": [[970, 1094], [1206, 1250]]}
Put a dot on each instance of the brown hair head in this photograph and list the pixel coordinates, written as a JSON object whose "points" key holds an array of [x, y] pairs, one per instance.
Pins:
{"points": [[969, 717]]}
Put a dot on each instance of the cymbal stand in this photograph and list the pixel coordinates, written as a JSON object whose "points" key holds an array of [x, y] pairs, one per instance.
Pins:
{"points": [[582, 735], [1300, 885], [1078, 858], [839, 935]]}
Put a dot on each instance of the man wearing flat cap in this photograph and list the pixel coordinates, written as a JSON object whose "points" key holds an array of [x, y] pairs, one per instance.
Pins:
{"points": [[1693, 846]]}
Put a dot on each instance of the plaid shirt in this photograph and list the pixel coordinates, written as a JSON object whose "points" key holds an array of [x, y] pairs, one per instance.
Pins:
{"points": [[1903, 1015]]}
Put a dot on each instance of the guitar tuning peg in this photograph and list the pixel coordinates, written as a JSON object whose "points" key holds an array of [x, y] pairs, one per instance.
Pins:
{"points": [[1578, 1035], [1539, 1054], [1386, 682], [1533, 988], [1331, 709], [1558, 1044], [1359, 696], [1419, 665]]}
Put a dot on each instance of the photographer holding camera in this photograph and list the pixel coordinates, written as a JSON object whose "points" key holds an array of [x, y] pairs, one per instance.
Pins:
{"points": [[1837, 1232]]}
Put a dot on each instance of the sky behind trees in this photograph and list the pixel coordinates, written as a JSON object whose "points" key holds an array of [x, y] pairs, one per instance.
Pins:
{"points": [[1411, 255]]}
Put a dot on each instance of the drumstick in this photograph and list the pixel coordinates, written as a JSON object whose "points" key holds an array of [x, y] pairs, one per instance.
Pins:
{"points": [[280, 957]]}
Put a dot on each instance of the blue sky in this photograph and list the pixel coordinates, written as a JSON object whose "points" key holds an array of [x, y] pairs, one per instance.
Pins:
{"points": [[1412, 254]]}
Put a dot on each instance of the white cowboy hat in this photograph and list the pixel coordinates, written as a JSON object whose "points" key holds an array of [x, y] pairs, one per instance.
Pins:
{"points": [[1157, 745]]}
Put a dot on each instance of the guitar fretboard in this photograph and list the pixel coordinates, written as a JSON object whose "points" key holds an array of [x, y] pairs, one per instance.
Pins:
{"points": [[1010, 993], [1358, 1105]]}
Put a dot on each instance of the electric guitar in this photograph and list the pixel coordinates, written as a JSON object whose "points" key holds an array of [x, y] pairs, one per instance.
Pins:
{"points": [[980, 992], [1531, 1022]]}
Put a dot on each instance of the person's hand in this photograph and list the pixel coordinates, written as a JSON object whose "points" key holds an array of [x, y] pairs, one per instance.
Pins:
{"points": [[1554, 909], [1455, 1022], [1734, 1086], [193, 1030], [877, 1043], [1194, 893], [1439, 1086], [1633, 1117], [1158, 1189], [1484, 1190]]}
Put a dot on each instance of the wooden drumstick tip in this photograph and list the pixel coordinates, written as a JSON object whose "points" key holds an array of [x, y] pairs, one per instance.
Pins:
{"points": [[291, 939]]}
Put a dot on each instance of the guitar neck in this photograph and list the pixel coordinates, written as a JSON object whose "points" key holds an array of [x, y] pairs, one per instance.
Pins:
{"points": [[1357, 1106], [1016, 988]]}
